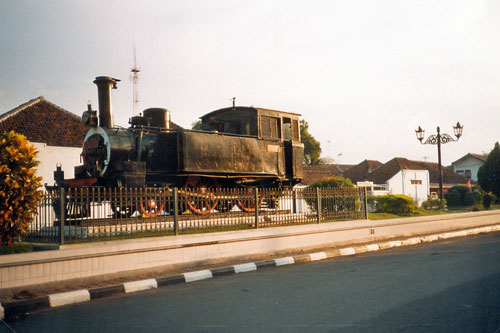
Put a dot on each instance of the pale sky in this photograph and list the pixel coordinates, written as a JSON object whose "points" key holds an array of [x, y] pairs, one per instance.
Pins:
{"points": [[364, 74]]}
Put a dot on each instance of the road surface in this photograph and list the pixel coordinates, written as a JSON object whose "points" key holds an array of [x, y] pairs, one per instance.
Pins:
{"points": [[451, 286]]}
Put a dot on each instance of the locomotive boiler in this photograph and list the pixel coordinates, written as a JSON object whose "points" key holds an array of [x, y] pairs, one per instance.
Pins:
{"points": [[237, 147]]}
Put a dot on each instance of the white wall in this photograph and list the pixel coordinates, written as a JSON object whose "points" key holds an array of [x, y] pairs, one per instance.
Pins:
{"points": [[50, 156], [470, 163], [401, 183]]}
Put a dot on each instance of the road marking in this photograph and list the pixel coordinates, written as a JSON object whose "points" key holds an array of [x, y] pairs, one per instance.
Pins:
{"points": [[317, 256], [69, 297], [134, 286], [242, 268], [198, 275], [284, 261]]}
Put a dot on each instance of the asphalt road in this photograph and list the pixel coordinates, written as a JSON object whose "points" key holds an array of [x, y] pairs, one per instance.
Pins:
{"points": [[451, 286]]}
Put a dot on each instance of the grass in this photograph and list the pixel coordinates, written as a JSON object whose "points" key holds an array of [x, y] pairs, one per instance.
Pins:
{"points": [[427, 212], [17, 248]]}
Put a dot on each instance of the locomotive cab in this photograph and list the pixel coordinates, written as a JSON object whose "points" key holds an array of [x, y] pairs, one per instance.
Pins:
{"points": [[265, 124]]}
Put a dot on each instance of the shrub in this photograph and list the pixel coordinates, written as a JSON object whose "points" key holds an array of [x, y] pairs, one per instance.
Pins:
{"points": [[332, 182], [19, 185], [488, 198], [395, 204], [434, 204], [347, 203], [469, 198], [453, 198]]}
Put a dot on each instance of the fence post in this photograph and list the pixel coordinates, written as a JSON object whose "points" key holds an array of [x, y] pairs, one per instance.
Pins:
{"points": [[318, 203], [62, 206], [256, 198], [366, 204], [294, 201], [176, 212]]}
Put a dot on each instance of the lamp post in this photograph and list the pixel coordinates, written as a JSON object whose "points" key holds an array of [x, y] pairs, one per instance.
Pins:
{"points": [[438, 139]]}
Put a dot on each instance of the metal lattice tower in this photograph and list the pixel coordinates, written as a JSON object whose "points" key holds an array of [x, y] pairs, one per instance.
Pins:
{"points": [[134, 77]]}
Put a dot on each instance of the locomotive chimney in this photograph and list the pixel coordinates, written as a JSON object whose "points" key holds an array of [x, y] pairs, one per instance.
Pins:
{"points": [[104, 86]]}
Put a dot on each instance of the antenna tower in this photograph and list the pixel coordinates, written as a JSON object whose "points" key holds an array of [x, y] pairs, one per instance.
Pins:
{"points": [[134, 77]]}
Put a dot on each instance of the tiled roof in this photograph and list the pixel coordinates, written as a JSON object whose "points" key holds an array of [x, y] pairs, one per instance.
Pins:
{"points": [[312, 173], [449, 176], [481, 157], [386, 171], [361, 171], [42, 121]]}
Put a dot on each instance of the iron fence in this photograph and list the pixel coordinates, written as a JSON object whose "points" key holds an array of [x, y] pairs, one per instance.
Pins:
{"points": [[88, 214]]}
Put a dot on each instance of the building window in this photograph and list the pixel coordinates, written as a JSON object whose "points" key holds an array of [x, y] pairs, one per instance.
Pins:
{"points": [[416, 182], [467, 174]]}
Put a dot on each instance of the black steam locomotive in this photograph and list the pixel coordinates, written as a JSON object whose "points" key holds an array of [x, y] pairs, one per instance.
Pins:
{"points": [[237, 147]]}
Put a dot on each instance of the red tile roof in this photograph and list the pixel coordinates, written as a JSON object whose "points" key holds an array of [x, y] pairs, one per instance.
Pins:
{"points": [[312, 173], [42, 121], [362, 170], [386, 171]]}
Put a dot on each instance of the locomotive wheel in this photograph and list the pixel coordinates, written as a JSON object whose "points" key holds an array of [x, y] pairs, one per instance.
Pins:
{"points": [[248, 205], [201, 193], [123, 211], [151, 208]]}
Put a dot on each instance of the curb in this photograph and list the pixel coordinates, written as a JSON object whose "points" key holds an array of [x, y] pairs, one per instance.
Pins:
{"points": [[14, 310]]}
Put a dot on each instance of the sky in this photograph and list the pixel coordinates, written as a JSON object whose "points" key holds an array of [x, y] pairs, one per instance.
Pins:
{"points": [[364, 74]]}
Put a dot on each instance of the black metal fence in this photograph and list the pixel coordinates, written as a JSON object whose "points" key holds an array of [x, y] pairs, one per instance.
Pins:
{"points": [[88, 214]]}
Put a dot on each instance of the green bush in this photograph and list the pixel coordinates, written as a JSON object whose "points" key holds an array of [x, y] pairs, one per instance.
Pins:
{"points": [[395, 204], [434, 204], [347, 202], [488, 198], [332, 182], [470, 198], [453, 198]]}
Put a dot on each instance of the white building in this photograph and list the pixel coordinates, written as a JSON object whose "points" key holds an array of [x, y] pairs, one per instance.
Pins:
{"points": [[469, 165], [57, 135]]}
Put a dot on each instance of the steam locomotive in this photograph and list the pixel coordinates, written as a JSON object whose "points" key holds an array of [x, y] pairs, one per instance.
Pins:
{"points": [[237, 147]]}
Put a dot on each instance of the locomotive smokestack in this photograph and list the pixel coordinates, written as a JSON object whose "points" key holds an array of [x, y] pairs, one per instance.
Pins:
{"points": [[104, 86]]}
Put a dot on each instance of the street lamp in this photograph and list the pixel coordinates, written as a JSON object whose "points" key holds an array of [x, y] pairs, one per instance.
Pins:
{"points": [[439, 139]]}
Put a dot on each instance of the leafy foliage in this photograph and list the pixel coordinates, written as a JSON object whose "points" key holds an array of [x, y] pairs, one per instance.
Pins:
{"points": [[196, 125], [345, 202], [333, 182], [434, 204], [19, 185], [489, 173], [395, 204], [488, 198], [312, 147]]}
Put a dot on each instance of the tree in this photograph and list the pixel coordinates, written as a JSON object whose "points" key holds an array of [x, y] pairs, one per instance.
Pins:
{"points": [[312, 148], [489, 173], [196, 125], [19, 186]]}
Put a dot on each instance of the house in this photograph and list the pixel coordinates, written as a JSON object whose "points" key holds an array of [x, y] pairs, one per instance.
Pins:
{"points": [[415, 179], [56, 133], [469, 164]]}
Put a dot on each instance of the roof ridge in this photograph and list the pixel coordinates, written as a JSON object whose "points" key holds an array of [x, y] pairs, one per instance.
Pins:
{"points": [[62, 109], [21, 107]]}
